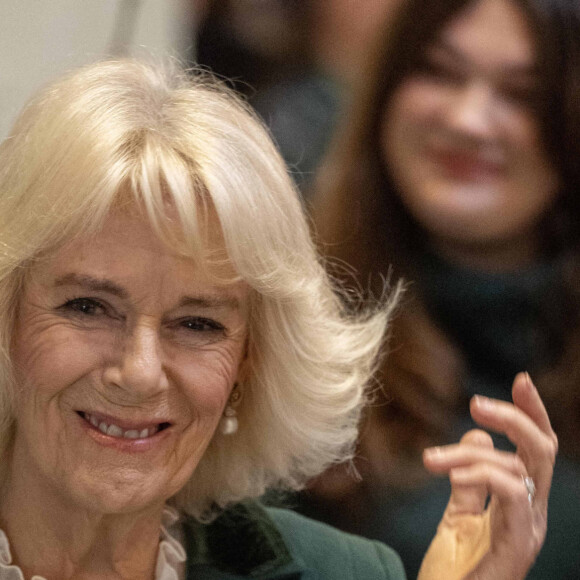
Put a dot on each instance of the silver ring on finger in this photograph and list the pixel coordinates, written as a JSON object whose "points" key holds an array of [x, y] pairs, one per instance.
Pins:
{"points": [[530, 488]]}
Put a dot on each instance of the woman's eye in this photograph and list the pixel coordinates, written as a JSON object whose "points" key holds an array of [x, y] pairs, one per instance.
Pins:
{"points": [[438, 71], [84, 306], [200, 324]]}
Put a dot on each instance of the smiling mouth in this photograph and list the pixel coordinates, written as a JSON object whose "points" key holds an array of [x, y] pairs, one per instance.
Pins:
{"points": [[465, 164], [112, 430]]}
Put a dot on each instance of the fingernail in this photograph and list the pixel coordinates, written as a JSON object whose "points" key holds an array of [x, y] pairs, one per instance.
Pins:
{"points": [[433, 452], [529, 382], [483, 402]]}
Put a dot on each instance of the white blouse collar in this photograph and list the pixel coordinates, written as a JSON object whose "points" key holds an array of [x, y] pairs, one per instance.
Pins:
{"points": [[170, 558]]}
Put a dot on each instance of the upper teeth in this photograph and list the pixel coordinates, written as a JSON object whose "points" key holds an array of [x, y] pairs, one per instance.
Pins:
{"points": [[116, 431]]}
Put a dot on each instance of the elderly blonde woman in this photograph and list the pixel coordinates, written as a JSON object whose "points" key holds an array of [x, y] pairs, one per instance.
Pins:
{"points": [[172, 348]]}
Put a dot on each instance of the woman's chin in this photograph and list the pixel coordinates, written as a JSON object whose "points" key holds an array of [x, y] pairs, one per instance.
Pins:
{"points": [[119, 492]]}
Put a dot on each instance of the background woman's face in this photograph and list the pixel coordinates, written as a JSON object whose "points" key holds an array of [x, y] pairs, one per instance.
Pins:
{"points": [[460, 138], [126, 354]]}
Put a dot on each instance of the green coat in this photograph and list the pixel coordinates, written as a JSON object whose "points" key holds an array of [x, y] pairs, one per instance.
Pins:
{"points": [[251, 541]]}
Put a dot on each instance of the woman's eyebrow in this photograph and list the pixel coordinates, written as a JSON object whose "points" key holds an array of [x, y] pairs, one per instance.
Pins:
{"points": [[202, 300], [521, 68], [211, 301], [91, 283]]}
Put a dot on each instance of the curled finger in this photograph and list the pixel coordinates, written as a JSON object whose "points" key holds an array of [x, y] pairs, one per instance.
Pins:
{"points": [[526, 397], [443, 459], [505, 484], [535, 447], [464, 499]]}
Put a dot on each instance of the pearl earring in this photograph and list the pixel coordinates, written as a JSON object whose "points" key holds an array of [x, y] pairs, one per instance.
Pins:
{"points": [[229, 420]]}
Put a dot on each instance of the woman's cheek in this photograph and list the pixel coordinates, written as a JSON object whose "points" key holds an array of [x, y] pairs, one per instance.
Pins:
{"points": [[208, 379]]}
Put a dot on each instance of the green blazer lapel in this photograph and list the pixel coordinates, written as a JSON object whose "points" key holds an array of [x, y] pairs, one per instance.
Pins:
{"points": [[243, 542]]}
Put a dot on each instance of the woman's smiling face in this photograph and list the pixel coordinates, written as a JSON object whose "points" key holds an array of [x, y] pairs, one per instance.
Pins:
{"points": [[461, 139], [117, 333]]}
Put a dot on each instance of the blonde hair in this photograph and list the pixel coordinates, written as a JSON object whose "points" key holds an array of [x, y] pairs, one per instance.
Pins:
{"points": [[129, 132]]}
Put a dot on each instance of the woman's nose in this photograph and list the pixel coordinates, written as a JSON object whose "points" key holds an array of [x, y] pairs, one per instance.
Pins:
{"points": [[138, 367], [472, 111]]}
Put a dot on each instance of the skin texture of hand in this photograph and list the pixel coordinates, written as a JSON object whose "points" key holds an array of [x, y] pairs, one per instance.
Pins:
{"points": [[502, 540]]}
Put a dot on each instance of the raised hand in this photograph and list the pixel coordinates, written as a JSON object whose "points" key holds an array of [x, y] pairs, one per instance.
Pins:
{"points": [[499, 542]]}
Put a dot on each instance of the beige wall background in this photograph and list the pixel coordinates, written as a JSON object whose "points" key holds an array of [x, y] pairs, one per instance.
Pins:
{"points": [[41, 39]]}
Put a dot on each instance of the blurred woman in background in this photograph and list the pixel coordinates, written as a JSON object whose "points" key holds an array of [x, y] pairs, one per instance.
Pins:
{"points": [[458, 171]]}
